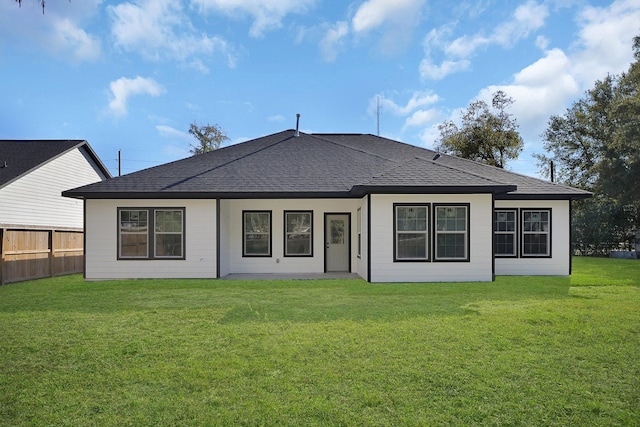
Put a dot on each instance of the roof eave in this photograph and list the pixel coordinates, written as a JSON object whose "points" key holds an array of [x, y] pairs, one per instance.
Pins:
{"points": [[361, 190], [544, 196]]}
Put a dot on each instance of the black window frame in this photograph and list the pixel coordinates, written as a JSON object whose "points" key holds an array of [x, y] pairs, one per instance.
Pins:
{"points": [[515, 233], [436, 232], [524, 232], [150, 233], [270, 245], [286, 234], [427, 232]]}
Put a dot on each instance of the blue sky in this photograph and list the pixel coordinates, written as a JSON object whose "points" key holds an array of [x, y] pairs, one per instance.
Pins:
{"points": [[132, 75]]}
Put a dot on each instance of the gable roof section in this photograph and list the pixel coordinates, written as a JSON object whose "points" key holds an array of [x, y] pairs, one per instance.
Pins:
{"points": [[19, 157], [309, 165]]}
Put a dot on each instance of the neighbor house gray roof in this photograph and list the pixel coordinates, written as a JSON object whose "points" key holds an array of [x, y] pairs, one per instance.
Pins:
{"points": [[320, 165], [19, 157]]}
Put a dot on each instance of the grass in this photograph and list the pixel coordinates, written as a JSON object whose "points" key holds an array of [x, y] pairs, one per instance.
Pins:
{"points": [[519, 351]]}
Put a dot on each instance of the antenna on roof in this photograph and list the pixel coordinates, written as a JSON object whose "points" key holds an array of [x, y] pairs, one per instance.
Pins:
{"points": [[378, 114], [297, 125]]}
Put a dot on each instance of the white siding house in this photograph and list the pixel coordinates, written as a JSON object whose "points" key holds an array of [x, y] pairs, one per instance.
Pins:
{"points": [[41, 232], [293, 203], [32, 194]]}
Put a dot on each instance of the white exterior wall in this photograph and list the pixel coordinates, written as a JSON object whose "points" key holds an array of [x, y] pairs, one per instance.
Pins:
{"points": [[101, 249], [231, 251], [478, 268], [558, 264], [35, 199]]}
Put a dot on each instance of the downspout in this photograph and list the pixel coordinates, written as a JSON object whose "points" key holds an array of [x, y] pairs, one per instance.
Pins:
{"points": [[217, 238], [369, 237], [570, 236], [493, 240]]}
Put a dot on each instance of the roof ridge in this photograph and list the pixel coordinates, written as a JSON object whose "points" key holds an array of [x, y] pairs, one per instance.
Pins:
{"points": [[234, 160], [439, 165], [350, 147]]}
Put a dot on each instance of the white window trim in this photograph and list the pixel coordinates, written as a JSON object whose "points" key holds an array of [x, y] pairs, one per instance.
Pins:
{"points": [[514, 232], [547, 254], [427, 208], [437, 232]]}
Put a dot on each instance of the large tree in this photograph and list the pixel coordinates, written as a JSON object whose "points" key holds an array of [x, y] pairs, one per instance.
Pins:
{"points": [[487, 134], [596, 145], [209, 138]]}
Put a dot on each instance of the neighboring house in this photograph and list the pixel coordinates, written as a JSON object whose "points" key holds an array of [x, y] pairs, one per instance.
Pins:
{"points": [[312, 203], [41, 231]]}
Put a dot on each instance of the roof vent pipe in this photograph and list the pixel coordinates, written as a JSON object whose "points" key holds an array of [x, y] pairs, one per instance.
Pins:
{"points": [[297, 125]]}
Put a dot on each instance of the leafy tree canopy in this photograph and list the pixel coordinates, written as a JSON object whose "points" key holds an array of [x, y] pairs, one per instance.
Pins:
{"points": [[209, 138], [487, 134], [596, 143]]}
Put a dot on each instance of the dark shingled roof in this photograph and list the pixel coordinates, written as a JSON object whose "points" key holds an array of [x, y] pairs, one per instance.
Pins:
{"points": [[19, 157], [320, 165]]}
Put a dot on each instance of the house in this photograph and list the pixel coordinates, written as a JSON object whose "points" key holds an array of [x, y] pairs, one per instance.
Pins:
{"points": [[312, 203], [41, 231]]}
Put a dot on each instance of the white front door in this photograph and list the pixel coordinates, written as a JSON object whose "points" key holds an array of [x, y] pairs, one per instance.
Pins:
{"points": [[337, 242]]}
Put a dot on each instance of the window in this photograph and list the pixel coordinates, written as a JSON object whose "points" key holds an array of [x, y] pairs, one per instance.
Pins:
{"points": [[140, 229], [359, 219], [298, 233], [411, 225], [504, 223], [536, 232], [168, 233], [452, 234], [256, 231]]}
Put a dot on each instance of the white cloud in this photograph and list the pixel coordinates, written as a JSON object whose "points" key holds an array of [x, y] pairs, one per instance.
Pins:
{"points": [[395, 20], [276, 118], [526, 19], [159, 29], [605, 40], [332, 40], [123, 88], [422, 117], [267, 15], [67, 36], [431, 71], [374, 13], [60, 32], [169, 132], [418, 100]]}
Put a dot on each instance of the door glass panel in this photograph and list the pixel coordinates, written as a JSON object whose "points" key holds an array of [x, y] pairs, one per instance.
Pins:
{"points": [[337, 232]]}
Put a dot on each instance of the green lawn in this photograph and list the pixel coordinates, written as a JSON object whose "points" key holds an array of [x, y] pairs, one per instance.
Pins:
{"points": [[519, 351]]}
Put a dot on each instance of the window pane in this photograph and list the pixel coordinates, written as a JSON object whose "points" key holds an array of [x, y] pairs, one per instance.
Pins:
{"points": [[257, 222], [505, 244], [256, 244], [299, 244], [411, 218], [412, 245], [133, 221], [168, 221], [168, 245], [298, 222], [451, 245], [535, 244], [133, 245]]}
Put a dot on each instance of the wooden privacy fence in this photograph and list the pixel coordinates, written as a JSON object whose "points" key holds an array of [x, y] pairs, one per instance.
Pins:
{"points": [[27, 254]]}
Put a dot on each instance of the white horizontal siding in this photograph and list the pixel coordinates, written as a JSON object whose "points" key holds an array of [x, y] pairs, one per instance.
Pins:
{"points": [[361, 261], [558, 264], [101, 242], [383, 267], [231, 250], [35, 199]]}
